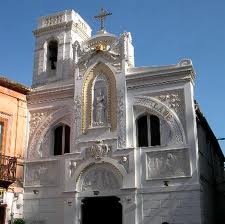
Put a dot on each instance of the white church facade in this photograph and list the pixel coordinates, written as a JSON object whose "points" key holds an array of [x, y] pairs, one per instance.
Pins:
{"points": [[110, 142]]}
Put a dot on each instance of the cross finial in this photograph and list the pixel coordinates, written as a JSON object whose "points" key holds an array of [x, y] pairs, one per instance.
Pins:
{"points": [[101, 16]]}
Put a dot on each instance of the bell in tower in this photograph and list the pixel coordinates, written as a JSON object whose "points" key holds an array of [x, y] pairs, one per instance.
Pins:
{"points": [[55, 35]]}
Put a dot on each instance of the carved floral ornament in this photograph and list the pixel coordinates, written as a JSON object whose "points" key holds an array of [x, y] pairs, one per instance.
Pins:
{"points": [[173, 100], [159, 109]]}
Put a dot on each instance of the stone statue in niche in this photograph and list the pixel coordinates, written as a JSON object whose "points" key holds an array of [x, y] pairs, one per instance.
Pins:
{"points": [[100, 108], [100, 101]]}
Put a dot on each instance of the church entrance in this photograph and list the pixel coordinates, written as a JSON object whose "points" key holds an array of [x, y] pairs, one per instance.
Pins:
{"points": [[2, 213], [101, 210]]}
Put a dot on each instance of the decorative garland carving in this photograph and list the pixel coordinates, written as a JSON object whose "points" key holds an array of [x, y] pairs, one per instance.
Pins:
{"points": [[121, 120], [77, 115], [100, 68]]}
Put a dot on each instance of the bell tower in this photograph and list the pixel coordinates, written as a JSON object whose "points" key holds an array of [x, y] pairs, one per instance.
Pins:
{"points": [[55, 35]]}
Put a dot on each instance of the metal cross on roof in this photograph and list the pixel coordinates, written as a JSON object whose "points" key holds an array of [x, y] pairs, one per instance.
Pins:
{"points": [[101, 16]]}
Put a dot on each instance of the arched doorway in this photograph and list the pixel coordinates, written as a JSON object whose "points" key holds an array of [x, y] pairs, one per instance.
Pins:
{"points": [[98, 186], [101, 210]]}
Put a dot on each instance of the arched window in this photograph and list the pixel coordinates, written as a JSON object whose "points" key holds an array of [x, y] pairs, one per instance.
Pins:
{"points": [[148, 131], [61, 140], [52, 55]]}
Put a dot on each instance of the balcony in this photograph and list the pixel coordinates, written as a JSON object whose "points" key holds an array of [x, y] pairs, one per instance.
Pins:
{"points": [[7, 170]]}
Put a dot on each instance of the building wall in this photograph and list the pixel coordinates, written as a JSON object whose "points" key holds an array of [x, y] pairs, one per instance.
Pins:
{"points": [[211, 168], [13, 114], [172, 207]]}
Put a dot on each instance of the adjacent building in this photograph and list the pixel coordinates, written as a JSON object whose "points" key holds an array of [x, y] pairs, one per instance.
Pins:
{"points": [[13, 138], [110, 142]]}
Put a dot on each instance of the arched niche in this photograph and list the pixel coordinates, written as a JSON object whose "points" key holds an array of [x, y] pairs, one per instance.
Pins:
{"points": [[50, 54], [99, 177], [88, 97], [149, 105]]}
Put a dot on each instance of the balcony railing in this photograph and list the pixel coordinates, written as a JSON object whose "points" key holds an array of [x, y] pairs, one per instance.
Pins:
{"points": [[7, 170]]}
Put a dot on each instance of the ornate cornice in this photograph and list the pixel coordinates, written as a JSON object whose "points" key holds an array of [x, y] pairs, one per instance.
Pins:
{"points": [[50, 95], [76, 27]]}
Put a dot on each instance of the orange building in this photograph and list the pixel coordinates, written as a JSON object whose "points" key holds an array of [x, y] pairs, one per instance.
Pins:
{"points": [[13, 138]]}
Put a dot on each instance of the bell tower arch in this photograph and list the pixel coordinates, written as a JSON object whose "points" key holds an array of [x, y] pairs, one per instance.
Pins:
{"points": [[55, 36]]}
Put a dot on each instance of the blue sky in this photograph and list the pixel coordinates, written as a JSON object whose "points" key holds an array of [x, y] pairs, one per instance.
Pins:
{"points": [[163, 32]]}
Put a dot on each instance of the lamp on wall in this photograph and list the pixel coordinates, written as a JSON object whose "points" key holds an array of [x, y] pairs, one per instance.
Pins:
{"points": [[69, 203], [166, 183], [96, 192], [36, 191]]}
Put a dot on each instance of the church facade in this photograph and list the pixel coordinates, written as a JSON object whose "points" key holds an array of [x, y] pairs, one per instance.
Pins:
{"points": [[108, 139]]}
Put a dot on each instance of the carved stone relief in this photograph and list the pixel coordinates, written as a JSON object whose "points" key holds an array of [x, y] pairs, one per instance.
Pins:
{"points": [[72, 167], [100, 177], [121, 120], [36, 118], [167, 164], [89, 53], [126, 52], [41, 174], [44, 150], [33, 140], [98, 150], [39, 142], [174, 99], [77, 115]]}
